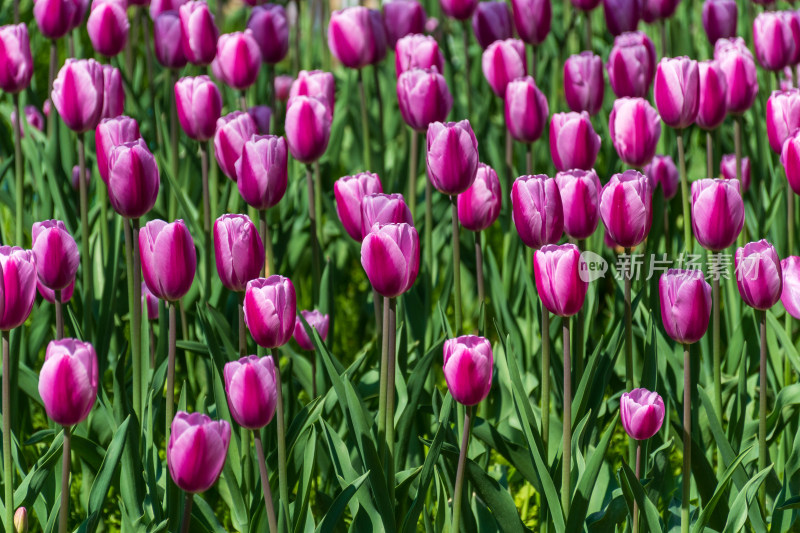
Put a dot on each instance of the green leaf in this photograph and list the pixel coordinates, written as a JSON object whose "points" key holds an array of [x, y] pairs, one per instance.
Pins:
{"points": [[338, 506], [634, 491], [738, 514]]}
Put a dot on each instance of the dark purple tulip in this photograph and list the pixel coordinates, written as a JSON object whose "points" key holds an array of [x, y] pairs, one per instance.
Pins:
{"points": [[622, 15], [262, 171], [161, 6], [401, 18], [110, 133], [54, 17], [479, 206], [452, 156], [423, 97], [653, 10], [740, 73], [503, 62], [383, 209], [108, 26], [713, 89], [349, 192], [526, 110], [167, 36], [458, 9], [133, 179], [492, 22], [532, 19], [719, 19], [16, 63], [584, 86], [270, 27], [585, 5], [573, 141], [536, 210], [262, 116], [580, 200], [417, 51], [631, 64], [233, 130], [113, 93]]}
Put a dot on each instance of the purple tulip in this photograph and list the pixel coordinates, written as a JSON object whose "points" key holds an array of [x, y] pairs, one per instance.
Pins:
{"points": [[308, 128], [417, 51], [167, 37], [503, 62], [758, 274], [316, 84], [792, 21], [783, 117], [262, 117], [584, 86], [557, 270], [622, 15], [315, 320], [585, 5], [68, 381], [169, 259], [626, 207], [379, 208], [790, 292], [199, 32], [401, 18], [356, 36], [158, 7], [773, 40], [492, 22], [108, 26], [631, 64], [18, 270], [238, 251], [349, 192], [719, 19], [677, 91], [526, 110], [196, 451], [713, 89], [468, 362], [727, 167], [536, 210], [423, 97], [113, 93], [33, 117], [233, 130], [458, 9], [199, 106], [239, 59], [54, 17], [56, 254], [109, 133], [573, 141], [270, 27], [580, 201], [78, 94], [49, 295], [479, 206], [717, 212], [76, 176], [790, 159], [452, 156], [532, 19], [252, 391], [685, 304], [653, 10], [270, 308], [149, 303], [16, 63], [662, 171], [740, 73], [133, 179], [390, 257], [262, 171], [642, 413], [635, 128]]}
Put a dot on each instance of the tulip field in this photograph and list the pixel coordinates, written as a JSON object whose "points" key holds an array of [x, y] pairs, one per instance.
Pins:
{"points": [[405, 266]]}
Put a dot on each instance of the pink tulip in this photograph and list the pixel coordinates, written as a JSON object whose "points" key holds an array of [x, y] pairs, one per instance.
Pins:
{"points": [[349, 192], [503, 62], [262, 171], [717, 212], [56, 254], [239, 59], [356, 36], [526, 110], [790, 292], [316, 84], [21, 520], [783, 117], [233, 130], [537, 211], [149, 303], [157, 7], [417, 51], [16, 63], [468, 362], [573, 141], [791, 19], [315, 320], [167, 40], [133, 179], [727, 167], [622, 15], [108, 26], [585, 5], [33, 117], [196, 451], [18, 270], [580, 201], [308, 128], [54, 17], [390, 257], [68, 381], [113, 93], [199, 106], [383, 209], [458, 9], [199, 32], [252, 391], [110, 133], [631, 64], [479, 206], [635, 128], [532, 19], [772, 40], [169, 259], [790, 159], [653, 10], [758, 274], [238, 251], [626, 207], [283, 86], [262, 117], [423, 98], [584, 86], [662, 171], [49, 295], [713, 89], [558, 279], [685, 304], [677, 91], [78, 94], [492, 22], [642, 413], [401, 18], [270, 308], [270, 27], [740, 73], [452, 156], [719, 19]]}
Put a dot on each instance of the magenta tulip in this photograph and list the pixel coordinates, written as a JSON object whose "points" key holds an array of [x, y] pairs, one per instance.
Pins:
{"points": [[308, 128], [685, 304], [783, 117], [157, 7], [713, 89], [49, 295], [78, 94], [149, 303], [584, 86], [727, 167], [791, 18], [315, 320], [622, 15], [772, 40], [270, 27], [492, 22], [113, 93], [631, 64], [233, 130], [167, 40], [502, 63], [349, 192], [417, 51], [585, 5], [423, 97], [526, 110], [662, 171], [719, 19], [532, 19], [452, 156], [573, 141], [677, 91], [133, 179], [197, 450], [390, 257], [642, 413], [458, 9], [68, 381], [252, 391], [790, 292], [401, 18], [199, 106], [316, 84], [239, 59], [740, 73], [635, 128], [199, 32], [790, 159], [76, 176], [238, 251], [536, 210], [468, 366], [580, 201], [108, 26], [758, 274], [18, 270], [717, 212], [262, 117], [262, 171], [626, 207], [270, 308], [557, 271], [379, 208], [479, 206], [16, 63], [283, 86], [56, 254], [169, 259], [109, 133], [356, 36], [54, 17], [653, 10], [33, 118]]}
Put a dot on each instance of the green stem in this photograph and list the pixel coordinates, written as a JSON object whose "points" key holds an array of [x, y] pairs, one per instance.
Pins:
{"points": [[315, 252], [129, 279], [528, 162], [136, 311], [63, 512], [242, 328], [206, 220], [171, 368], [20, 181], [687, 221], [186, 521], [566, 455], [509, 159], [578, 344], [379, 100], [479, 271], [390, 334], [271, 96], [687, 440], [629, 372], [458, 490], [86, 268], [587, 27], [384, 380], [283, 481], [262, 469], [545, 400], [173, 143], [663, 31], [716, 346], [639, 477], [412, 172], [465, 31], [709, 155], [737, 143], [429, 224], [8, 472], [269, 263], [59, 315], [456, 266], [51, 75], [762, 407], [144, 20], [364, 123]]}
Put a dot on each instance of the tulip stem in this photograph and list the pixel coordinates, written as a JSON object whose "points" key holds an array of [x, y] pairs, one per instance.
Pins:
{"points": [[412, 172], [283, 486], [315, 253], [8, 473], [171, 368], [59, 316], [709, 155], [206, 195], [429, 224], [545, 379], [528, 161], [63, 512], [456, 266], [269, 264], [479, 275], [578, 332], [566, 459], [173, 143], [737, 143], [243, 100], [384, 378], [186, 521], [242, 327], [18, 165], [379, 100], [629, 381], [638, 476], [51, 75], [136, 311], [273, 116], [663, 30], [318, 203], [716, 347], [262, 469], [687, 223], [88, 287], [148, 56], [364, 123], [509, 159], [790, 219], [458, 490], [390, 330], [762, 407], [465, 31], [687, 440], [587, 26]]}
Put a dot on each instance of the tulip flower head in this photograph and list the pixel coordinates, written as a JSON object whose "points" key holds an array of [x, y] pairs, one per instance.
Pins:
{"points": [[626, 207], [727, 167], [233, 131], [270, 27], [199, 32], [308, 128], [458, 9], [773, 40], [783, 117], [68, 381], [402, 18], [557, 270], [379, 208], [16, 63], [622, 15], [169, 259], [492, 22], [685, 304], [239, 59], [790, 292], [54, 17], [108, 26], [662, 171], [758, 274], [526, 110], [110, 133], [238, 250], [739, 68], [468, 366], [580, 199], [536, 210], [631, 65], [573, 141], [78, 94], [479, 206], [199, 106], [56, 253], [532, 19], [348, 192], [423, 97], [719, 19], [113, 93], [149, 303], [390, 257], [635, 128], [642, 413], [356, 36], [262, 117], [713, 89], [584, 85], [452, 156], [252, 391], [677, 91], [167, 37], [417, 51], [18, 271], [502, 62], [270, 309], [717, 212], [197, 450], [133, 179], [316, 321], [316, 84], [21, 520], [262, 171]]}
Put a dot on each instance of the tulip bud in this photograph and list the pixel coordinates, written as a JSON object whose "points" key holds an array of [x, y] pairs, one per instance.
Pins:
{"points": [[308, 128], [417, 51], [642, 413], [68, 381], [56, 254], [503, 62], [16, 63], [316, 84], [109, 133], [719, 19], [717, 212], [238, 250], [573, 141], [283, 86], [390, 257], [758, 274], [149, 303], [653, 10], [626, 207], [458, 9], [677, 91], [108, 26], [685, 304], [270, 308], [783, 117], [423, 97], [76, 176], [252, 390], [195, 440], [662, 171], [622, 15], [169, 259], [452, 156], [113, 93], [133, 179], [532, 19], [492, 22], [199, 106], [157, 7], [631, 65], [580, 201], [558, 279], [233, 130], [349, 191], [584, 86], [526, 110], [78, 94], [49, 295], [790, 159], [536, 210], [713, 89], [401, 18], [356, 39], [167, 37], [199, 33], [54, 17], [270, 29], [772, 39], [737, 63], [18, 271], [468, 366], [727, 167], [262, 117], [635, 128], [315, 320], [790, 292], [21, 520], [262, 171], [479, 206], [239, 59]]}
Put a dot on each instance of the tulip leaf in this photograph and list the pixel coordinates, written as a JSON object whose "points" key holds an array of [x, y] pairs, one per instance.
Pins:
{"points": [[722, 487], [740, 506], [106, 473], [634, 491], [337, 508]]}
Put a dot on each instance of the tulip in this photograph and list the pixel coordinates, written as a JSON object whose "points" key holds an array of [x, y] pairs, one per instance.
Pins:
{"points": [[558, 280], [740, 73], [379, 208], [108, 26], [68, 381], [390, 257], [685, 304], [713, 88], [199, 105], [270, 28], [790, 293], [270, 308], [621, 15], [719, 19], [349, 191], [233, 130], [109, 133], [584, 86], [356, 37], [526, 110], [168, 259], [573, 142], [54, 17], [492, 22], [423, 97], [283, 86], [631, 64], [458, 9], [33, 118], [727, 167], [49, 295], [251, 390], [417, 51], [642, 413], [431, 25], [76, 176], [653, 10], [401, 18], [783, 117], [452, 156], [316, 84], [113, 93], [149, 302], [791, 19], [157, 7], [262, 171], [626, 208], [315, 320], [21, 520], [635, 128], [262, 117], [758, 274], [239, 59], [16, 63], [536, 210], [677, 91], [238, 250], [790, 159], [18, 270], [479, 206], [197, 450], [56, 254], [773, 40], [532, 19], [199, 33], [585, 5], [167, 40], [133, 179], [503, 62], [468, 366], [78, 94], [580, 201], [662, 171], [308, 128]]}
